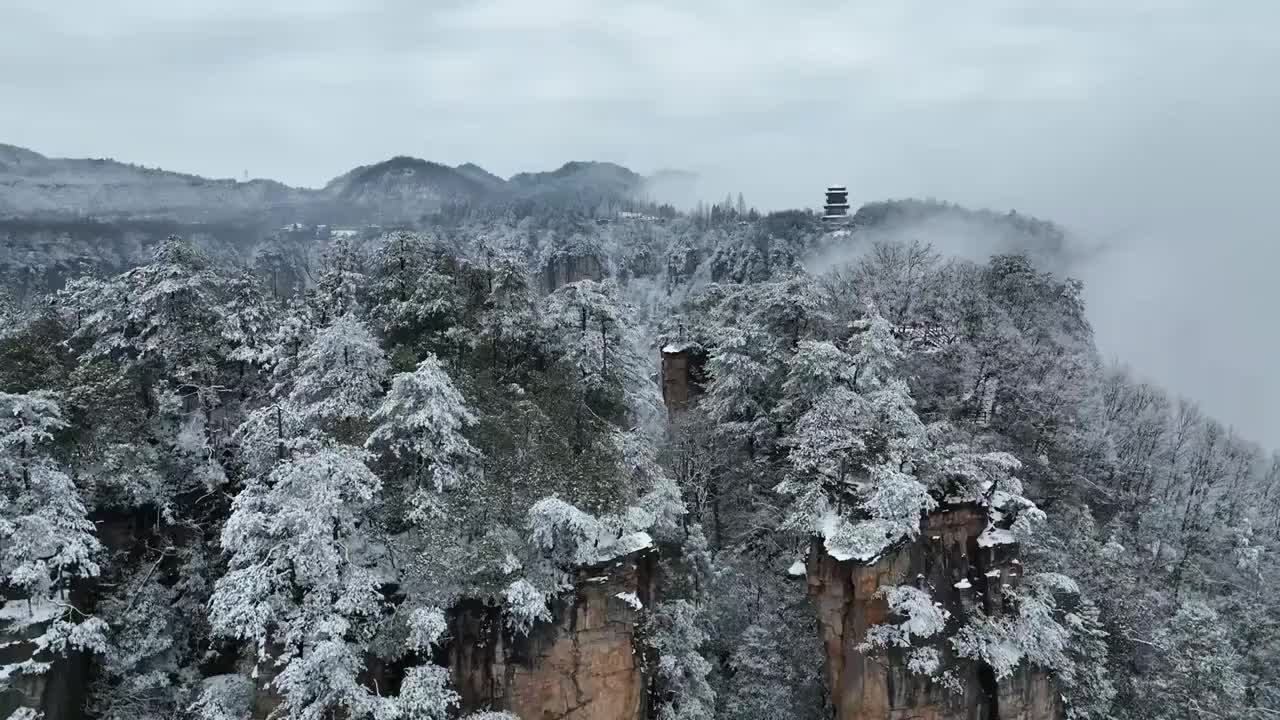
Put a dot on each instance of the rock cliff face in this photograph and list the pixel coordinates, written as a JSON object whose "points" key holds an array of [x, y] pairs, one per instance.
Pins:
{"points": [[567, 269], [962, 576], [683, 375], [585, 664], [57, 693]]}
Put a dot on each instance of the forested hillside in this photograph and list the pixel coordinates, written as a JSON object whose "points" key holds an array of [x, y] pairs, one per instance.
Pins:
{"points": [[274, 480]]}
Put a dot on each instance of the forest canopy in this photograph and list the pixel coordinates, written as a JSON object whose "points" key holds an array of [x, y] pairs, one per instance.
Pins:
{"points": [[302, 456]]}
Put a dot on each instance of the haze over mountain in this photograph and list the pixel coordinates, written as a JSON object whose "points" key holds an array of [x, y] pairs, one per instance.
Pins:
{"points": [[401, 188], [1136, 274]]}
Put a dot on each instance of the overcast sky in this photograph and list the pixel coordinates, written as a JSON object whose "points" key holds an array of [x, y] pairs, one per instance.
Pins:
{"points": [[1147, 124]]}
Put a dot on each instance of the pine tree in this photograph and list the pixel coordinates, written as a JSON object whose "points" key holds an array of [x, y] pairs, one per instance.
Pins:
{"points": [[297, 586], [46, 540], [420, 424], [338, 380], [1199, 671]]}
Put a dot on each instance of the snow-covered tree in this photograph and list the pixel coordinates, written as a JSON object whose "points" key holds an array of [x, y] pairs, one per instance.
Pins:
{"points": [[415, 300], [342, 285], [421, 421], [338, 380], [1199, 670], [682, 671], [224, 697], [420, 424], [46, 540], [922, 619], [300, 587], [165, 320], [762, 684], [857, 451], [589, 333]]}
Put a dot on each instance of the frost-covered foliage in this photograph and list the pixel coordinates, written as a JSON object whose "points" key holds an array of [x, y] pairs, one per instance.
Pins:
{"points": [[420, 424], [412, 299], [857, 444], [59, 638], [224, 697], [426, 695], [426, 627], [307, 484], [339, 375], [563, 538], [1032, 634], [342, 286], [765, 681], [678, 639], [759, 689], [581, 539], [293, 588], [1199, 669], [922, 618], [525, 605], [46, 539], [146, 640], [918, 625]]}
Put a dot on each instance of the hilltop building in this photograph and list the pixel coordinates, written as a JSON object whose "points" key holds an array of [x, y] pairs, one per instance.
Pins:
{"points": [[836, 208]]}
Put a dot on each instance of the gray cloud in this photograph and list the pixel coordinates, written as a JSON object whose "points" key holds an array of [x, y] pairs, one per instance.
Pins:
{"points": [[1145, 124]]}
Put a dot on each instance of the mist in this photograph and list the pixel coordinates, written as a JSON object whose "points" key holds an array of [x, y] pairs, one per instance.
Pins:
{"points": [[1143, 127], [1184, 300]]}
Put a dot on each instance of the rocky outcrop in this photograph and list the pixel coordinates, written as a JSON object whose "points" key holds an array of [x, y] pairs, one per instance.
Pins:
{"points": [[966, 578], [586, 664], [683, 374], [570, 268], [676, 378], [58, 692]]}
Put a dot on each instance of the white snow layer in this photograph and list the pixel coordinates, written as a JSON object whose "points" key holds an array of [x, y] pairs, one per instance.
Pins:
{"points": [[631, 599], [995, 536]]}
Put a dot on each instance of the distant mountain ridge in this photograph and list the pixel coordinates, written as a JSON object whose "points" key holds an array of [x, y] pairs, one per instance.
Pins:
{"points": [[404, 183], [32, 184], [401, 188]]}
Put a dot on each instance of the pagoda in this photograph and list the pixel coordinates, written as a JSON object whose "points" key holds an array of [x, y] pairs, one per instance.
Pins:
{"points": [[837, 206]]}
